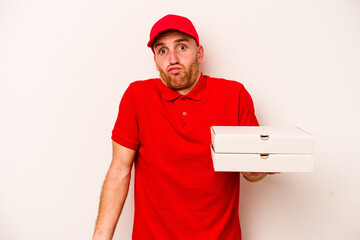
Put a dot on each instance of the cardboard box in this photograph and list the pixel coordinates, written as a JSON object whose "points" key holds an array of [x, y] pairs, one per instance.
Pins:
{"points": [[261, 149]]}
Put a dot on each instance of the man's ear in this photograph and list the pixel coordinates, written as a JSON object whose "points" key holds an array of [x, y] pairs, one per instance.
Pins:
{"points": [[200, 54], [157, 68]]}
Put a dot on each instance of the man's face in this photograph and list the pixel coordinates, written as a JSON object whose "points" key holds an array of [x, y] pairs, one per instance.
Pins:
{"points": [[177, 58]]}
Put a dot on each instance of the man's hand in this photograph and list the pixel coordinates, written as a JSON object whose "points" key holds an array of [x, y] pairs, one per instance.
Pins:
{"points": [[255, 176]]}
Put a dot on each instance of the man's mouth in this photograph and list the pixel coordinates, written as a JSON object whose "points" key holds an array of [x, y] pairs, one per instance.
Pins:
{"points": [[174, 69]]}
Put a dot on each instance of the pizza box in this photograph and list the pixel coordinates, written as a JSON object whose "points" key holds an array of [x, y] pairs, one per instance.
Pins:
{"points": [[261, 149], [261, 139]]}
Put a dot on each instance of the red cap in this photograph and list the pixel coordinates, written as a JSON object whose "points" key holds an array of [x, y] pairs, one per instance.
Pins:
{"points": [[172, 22]]}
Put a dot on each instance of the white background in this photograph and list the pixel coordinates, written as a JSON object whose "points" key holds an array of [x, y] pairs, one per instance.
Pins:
{"points": [[64, 66]]}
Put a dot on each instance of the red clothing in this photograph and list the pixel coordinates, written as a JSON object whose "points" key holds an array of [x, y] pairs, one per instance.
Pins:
{"points": [[178, 195]]}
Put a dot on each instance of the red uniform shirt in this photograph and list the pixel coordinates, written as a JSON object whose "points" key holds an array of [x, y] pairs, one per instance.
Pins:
{"points": [[178, 195]]}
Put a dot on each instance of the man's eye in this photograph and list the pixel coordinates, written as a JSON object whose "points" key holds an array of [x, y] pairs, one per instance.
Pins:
{"points": [[162, 51], [182, 47]]}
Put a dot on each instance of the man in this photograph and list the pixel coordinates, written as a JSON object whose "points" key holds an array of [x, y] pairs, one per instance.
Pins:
{"points": [[163, 127]]}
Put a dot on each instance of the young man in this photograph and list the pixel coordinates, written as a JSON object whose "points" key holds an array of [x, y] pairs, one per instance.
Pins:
{"points": [[163, 127]]}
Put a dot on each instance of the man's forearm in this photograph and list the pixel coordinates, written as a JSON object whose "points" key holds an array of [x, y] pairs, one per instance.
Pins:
{"points": [[112, 200]]}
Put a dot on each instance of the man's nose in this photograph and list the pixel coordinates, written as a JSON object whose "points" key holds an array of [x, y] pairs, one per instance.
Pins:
{"points": [[173, 58]]}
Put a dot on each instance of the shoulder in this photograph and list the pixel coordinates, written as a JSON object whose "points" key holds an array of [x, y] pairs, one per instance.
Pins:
{"points": [[139, 93], [219, 84], [143, 87]]}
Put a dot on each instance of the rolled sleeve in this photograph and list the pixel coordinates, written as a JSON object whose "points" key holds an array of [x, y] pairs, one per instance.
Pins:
{"points": [[126, 130]]}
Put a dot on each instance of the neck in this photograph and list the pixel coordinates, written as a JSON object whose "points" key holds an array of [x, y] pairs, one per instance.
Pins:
{"points": [[187, 90]]}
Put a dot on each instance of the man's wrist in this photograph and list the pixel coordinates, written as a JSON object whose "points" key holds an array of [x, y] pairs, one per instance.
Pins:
{"points": [[252, 178]]}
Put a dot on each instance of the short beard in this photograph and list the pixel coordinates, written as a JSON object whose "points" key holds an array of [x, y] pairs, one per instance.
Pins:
{"points": [[188, 78]]}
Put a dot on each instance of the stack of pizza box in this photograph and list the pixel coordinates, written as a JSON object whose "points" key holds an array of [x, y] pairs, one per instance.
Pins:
{"points": [[261, 149]]}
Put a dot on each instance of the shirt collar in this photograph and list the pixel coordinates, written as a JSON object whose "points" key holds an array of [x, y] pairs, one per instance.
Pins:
{"points": [[196, 93]]}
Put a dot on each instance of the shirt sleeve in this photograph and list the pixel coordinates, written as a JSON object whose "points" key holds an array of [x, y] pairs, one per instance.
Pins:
{"points": [[126, 130], [246, 110]]}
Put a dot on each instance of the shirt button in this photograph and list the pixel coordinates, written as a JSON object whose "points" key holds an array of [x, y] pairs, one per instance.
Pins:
{"points": [[184, 113]]}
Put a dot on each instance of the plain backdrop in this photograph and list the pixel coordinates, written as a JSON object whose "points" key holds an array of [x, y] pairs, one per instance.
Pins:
{"points": [[64, 65]]}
